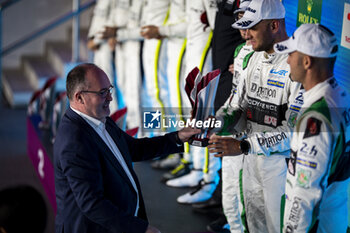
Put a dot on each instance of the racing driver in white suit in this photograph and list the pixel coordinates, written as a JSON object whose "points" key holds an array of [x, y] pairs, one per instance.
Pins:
{"points": [[174, 33], [103, 56], [232, 165], [318, 169], [269, 100]]}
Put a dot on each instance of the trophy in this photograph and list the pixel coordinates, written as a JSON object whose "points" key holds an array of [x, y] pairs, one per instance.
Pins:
{"points": [[201, 91]]}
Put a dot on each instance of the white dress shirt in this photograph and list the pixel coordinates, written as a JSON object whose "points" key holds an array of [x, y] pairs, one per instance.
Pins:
{"points": [[100, 129]]}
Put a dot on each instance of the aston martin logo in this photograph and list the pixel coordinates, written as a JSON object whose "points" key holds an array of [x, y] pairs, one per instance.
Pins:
{"points": [[244, 23], [280, 47]]}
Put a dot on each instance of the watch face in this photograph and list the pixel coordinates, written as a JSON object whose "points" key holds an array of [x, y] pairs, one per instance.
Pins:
{"points": [[244, 146]]}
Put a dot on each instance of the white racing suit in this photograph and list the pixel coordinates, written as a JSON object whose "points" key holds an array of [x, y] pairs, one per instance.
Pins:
{"points": [[174, 32], [140, 13], [155, 13], [130, 39], [318, 170], [119, 18], [269, 99], [232, 165], [198, 54], [103, 57]]}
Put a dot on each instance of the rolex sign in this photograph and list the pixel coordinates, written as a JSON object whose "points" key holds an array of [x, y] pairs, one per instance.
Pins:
{"points": [[309, 11]]}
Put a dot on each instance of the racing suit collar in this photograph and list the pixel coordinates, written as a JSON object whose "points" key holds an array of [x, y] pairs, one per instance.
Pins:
{"points": [[269, 58], [310, 93]]}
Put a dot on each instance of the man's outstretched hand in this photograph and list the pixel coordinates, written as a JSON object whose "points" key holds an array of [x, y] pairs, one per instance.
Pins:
{"points": [[186, 133], [224, 146]]}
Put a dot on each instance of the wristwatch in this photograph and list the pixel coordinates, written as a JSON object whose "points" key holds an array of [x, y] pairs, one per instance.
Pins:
{"points": [[244, 146]]}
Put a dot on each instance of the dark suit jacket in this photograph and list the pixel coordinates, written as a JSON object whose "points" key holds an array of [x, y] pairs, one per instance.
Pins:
{"points": [[93, 192]]}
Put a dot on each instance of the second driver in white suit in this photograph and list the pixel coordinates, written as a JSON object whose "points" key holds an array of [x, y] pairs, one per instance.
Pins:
{"points": [[200, 18]]}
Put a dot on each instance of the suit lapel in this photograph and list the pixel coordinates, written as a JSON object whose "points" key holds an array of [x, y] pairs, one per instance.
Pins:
{"points": [[115, 133], [111, 128]]}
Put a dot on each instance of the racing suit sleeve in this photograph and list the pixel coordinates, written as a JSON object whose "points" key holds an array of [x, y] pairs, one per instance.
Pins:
{"points": [[277, 140], [133, 27], [308, 171], [174, 30], [178, 29], [99, 18], [211, 8], [111, 21], [129, 34], [232, 113]]}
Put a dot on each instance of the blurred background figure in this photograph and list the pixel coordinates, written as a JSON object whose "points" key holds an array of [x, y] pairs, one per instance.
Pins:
{"points": [[173, 34], [130, 40], [156, 13], [117, 18], [102, 52], [204, 172], [22, 209]]}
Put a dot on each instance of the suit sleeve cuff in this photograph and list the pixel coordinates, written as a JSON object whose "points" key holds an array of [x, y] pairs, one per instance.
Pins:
{"points": [[177, 139]]}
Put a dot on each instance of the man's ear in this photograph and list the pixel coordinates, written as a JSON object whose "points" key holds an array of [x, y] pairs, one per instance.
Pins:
{"points": [[78, 97], [274, 25], [307, 62]]}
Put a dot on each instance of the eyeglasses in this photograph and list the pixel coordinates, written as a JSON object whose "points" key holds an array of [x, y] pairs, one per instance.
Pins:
{"points": [[102, 93]]}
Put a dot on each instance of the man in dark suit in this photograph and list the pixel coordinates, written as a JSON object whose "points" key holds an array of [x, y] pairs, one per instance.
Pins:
{"points": [[96, 187]]}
